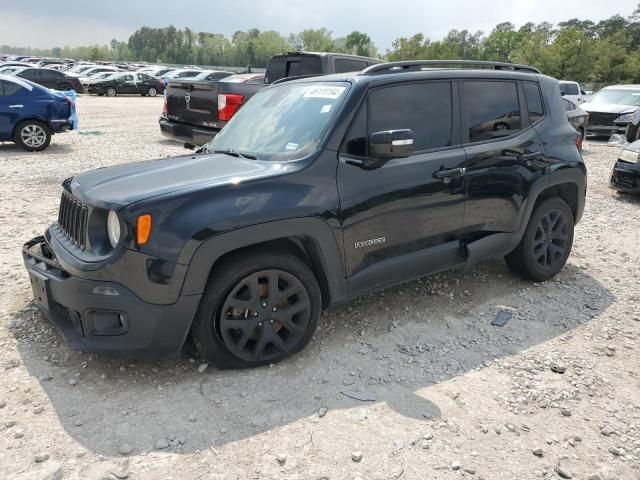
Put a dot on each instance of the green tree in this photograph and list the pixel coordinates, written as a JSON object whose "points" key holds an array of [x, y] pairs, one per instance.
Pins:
{"points": [[359, 43]]}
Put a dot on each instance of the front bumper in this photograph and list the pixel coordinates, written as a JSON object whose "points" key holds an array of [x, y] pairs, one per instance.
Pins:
{"points": [[607, 129], [625, 177], [121, 325], [181, 132]]}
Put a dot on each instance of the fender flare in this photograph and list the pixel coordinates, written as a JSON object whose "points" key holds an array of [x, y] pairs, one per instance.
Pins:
{"points": [[315, 229]]}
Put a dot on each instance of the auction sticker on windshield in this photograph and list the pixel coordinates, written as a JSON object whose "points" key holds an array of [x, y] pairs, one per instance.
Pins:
{"points": [[324, 92]]}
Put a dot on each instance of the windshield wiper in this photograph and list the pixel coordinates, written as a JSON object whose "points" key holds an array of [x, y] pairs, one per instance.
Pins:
{"points": [[233, 153]]}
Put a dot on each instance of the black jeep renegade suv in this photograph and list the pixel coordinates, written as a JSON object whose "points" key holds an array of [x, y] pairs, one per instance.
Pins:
{"points": [[318, 190]]}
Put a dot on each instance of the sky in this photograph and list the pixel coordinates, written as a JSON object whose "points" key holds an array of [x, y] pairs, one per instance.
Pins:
{"points": [[45, 24]]}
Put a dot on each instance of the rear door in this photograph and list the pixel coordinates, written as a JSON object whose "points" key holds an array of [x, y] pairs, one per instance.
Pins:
{"points": [[404, 218], [12, 106], [504, 152]]}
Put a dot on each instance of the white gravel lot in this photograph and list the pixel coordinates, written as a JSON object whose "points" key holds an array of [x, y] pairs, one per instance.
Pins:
{"points": [[443, 394]]}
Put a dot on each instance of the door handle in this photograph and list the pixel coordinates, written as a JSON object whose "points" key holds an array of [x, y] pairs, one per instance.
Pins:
{"points": [[454, 172], [16, 106], [525, 157]]}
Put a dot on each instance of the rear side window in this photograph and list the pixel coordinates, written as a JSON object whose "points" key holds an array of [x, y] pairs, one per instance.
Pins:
{"points": [[8, 88], [571, 89], [347, 65], [493, 110], [534, 101], [30, 74], [425, 108], [281, 67]]}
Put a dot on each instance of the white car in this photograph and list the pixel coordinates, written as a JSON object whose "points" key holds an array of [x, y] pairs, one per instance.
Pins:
{"points": [[572, 91]]}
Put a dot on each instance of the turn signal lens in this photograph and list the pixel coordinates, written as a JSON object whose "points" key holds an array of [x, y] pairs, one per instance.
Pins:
{"points": [[143, 229]]}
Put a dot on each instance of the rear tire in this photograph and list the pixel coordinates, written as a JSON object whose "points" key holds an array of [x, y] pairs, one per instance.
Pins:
{"points": [[33, 136], [257, 309], [546, 244]]}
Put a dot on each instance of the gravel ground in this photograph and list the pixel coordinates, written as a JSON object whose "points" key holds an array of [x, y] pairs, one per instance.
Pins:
{"points": [[410, 383]]}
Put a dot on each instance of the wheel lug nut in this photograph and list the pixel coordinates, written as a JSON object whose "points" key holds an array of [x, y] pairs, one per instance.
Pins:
{"points": [[259, 324], [274, 309], [264, 304], [270, 321], [255, 314]]}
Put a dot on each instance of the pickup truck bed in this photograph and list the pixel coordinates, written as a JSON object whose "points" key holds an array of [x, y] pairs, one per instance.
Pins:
{"points": [[191, 112], [195, 112]]}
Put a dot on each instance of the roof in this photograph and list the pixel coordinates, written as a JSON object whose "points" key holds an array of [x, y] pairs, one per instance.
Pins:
{"points": [[328, 54]]}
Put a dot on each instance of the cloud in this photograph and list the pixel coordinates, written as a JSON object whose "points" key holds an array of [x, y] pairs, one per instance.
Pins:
{"points": [[47, 24], [44, 31]]}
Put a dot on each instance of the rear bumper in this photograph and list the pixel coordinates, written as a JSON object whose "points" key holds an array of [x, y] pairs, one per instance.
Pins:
{"points": [[625, 177], [183, 133], [59, 126], [120, 325]]}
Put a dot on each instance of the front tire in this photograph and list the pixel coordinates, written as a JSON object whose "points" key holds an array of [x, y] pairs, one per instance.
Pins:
{"points": [[546, 244], [33, 136], [111, 92], [152, 92], [257, 309]]}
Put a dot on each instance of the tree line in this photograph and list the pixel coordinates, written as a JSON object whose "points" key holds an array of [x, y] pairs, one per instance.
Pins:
{"points": [[599, 53]]}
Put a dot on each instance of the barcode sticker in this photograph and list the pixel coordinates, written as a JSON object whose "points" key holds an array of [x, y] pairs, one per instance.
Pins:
{"points": [[324, 92]]}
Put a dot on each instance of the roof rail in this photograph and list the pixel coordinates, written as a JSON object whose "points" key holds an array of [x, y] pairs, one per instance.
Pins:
{"points": [[417, 65]]}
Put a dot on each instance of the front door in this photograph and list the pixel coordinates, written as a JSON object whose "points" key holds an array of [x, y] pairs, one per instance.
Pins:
{"points": [[504, 152], [128, 85], [404, 218]]}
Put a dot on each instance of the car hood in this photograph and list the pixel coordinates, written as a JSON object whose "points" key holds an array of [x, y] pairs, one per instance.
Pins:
{"points": [[119, 186], [608, 108]]}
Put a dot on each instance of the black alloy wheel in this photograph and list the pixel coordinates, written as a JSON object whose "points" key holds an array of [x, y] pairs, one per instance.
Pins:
{"points": [[265, 316], [551, 240], [259, 307], [546, 243]]}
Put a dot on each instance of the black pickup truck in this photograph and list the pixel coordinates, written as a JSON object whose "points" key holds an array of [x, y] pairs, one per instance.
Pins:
{"points": [[195, 111]]}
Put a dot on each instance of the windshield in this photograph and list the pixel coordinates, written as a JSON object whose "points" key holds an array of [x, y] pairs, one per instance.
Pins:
{"points": [[617, 97], [285, 122]]}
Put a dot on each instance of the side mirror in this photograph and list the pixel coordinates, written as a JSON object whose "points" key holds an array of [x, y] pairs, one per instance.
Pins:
{"points": [[562, 94], [390, 144]]}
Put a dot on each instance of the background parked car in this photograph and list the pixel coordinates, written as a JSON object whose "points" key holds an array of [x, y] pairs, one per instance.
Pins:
{"points": [[30, 113], [50, 78], [615, 109], [181, 73], [157, 71], [625, 176], [578, 117], [128, 83], [572, 91]]}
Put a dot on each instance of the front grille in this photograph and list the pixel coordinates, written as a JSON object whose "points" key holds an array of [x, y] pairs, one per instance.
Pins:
{"points": [[72, 219], [602, 119]]}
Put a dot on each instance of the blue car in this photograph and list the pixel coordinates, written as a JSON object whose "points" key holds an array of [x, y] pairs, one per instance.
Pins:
{"points": [[30, 114]]}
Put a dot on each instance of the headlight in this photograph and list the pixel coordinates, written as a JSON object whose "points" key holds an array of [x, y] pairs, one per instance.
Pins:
{"points": [[113, 228], [626, 118], [628, 156]]}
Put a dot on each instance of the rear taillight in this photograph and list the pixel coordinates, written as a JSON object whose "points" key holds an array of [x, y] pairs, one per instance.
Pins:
{"points": [[228, 105], [579, 142], [165, 108]]}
